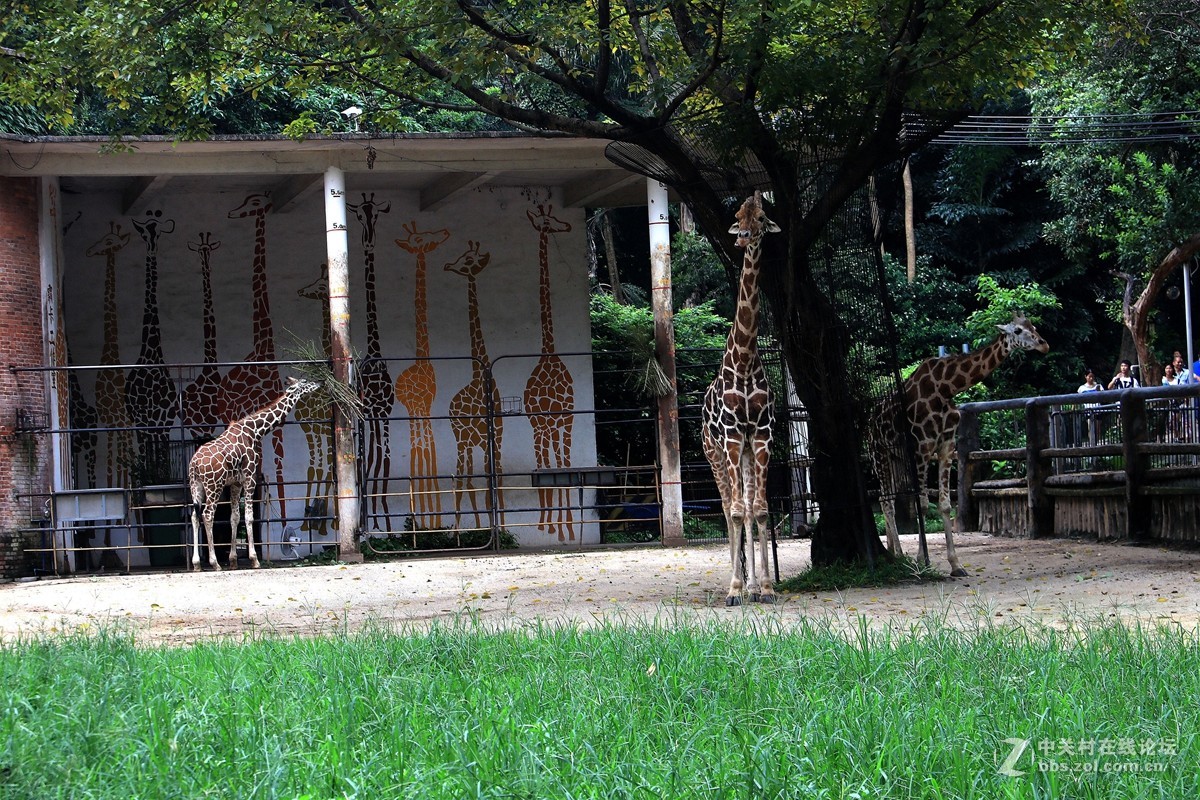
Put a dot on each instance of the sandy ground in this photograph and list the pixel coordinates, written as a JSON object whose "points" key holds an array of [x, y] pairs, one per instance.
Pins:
{"points": [[1057, 582]]}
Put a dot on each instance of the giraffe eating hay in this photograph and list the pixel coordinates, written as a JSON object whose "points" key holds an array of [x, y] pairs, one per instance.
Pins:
{"points": [[738, 417], [233, 459], [933, 421]]}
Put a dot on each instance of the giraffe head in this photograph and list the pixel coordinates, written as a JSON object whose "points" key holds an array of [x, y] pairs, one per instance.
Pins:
{"points": [[110, 242], [1019, 334], [150, 228], [470, 263], [205, 246], [752, 222], [421, 242], [256, 205], [318, 289], [544, 222], [298, 387], [368, 212]]}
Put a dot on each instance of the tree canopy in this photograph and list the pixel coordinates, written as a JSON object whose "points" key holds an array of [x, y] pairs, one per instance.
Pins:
{"points": [[777, 86]]}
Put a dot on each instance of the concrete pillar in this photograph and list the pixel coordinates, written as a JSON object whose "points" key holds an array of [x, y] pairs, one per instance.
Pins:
{"points": [[664, 351]]}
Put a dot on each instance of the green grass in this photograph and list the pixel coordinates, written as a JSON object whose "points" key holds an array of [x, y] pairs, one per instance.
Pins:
{"points": [[757, 710]]}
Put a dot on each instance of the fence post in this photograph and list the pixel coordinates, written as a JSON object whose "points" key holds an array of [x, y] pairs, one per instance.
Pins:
{"points": [[968, 471], [1037, 468], [1133, 432]]}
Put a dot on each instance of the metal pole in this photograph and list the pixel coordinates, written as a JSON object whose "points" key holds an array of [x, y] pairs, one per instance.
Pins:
{"points": [[337, 247], [664, 351], [1187, 313]]}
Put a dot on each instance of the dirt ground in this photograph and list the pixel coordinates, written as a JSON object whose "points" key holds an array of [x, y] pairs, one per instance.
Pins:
{"points": [[1051, 581]]}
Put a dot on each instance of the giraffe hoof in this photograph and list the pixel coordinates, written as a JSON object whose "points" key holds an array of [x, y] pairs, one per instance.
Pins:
{"points": [[733, 600], [958, 573], [769, 599]]}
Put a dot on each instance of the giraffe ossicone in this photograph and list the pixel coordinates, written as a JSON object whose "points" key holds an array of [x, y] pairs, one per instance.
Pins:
{"points": [[932, 422], [233, 459], [738, 417]]}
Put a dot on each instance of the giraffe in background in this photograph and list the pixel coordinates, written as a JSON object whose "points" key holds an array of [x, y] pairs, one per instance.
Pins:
{"points": [[112, 415], [233, 459], [550, 393], [470, 406], [247, 387], [150, 394], [314, 415], [416, 388], [933, 422], [201, 409], [374, 381], [738, 417]]}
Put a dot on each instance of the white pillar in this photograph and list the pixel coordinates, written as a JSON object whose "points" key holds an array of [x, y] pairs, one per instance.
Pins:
{"points": [[664, 351], [345, 451]]}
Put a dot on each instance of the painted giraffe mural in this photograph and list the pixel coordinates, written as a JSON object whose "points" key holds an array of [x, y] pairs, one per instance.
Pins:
{"points": [[200, 401], [150, 394], [738, 417], [112, 414], [374, 381], [416, 388], [932, 422], [233, 459], [550, 392], [313, 413], [249, 386], [470, 406]]}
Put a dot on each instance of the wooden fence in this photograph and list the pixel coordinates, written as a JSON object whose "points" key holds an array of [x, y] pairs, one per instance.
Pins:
{"points": [[1123, 464]]}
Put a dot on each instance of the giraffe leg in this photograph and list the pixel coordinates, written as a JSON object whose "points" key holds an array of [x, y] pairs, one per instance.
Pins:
{"points": [[248, 493], [944, 508], [197, 501], [736, 518], [235, 517], [887, 504], [758, 494]]}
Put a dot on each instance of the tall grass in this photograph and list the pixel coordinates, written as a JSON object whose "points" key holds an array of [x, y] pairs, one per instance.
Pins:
{"points": [[756, 711]]}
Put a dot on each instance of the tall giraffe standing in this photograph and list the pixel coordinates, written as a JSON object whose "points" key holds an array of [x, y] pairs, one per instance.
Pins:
{"points": [[150, 394], [933, 421], [112, 413], [375, 383], [313, 413], [550, 392], [233, 459], [416, 388], [470, 406], [201, 399], [246, 387], [738, 417]]}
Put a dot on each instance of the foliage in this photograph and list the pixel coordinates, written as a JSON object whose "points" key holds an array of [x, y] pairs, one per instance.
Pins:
{"points": [[698, 275], [839, 577]]}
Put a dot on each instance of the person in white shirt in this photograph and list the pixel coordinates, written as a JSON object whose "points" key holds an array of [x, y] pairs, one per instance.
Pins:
{"points": [[1183, 375], [1089, 383], [1124, 378], [1170, 377]]}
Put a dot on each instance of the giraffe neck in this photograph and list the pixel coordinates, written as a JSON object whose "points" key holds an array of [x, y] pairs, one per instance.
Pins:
{"points": [[743, 335], [210, 318], [111, 351], [373, 348], [151, 352], [264, 334], [974, 367], [544, 292], [421, 318], [271, 416], [480, 361]]}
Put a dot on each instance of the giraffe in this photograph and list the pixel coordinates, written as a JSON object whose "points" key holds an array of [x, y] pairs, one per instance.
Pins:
{"points": [[738, 417], [313, 413], [416, 388], [550, 392], [470, 407], [112, 415], [233, 459], [248, 386], [150, 394], [375, 383], [933, 421], [199, 403]]}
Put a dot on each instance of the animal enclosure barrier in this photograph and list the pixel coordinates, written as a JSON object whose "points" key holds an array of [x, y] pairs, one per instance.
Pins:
{"points": [[1124, 465]]}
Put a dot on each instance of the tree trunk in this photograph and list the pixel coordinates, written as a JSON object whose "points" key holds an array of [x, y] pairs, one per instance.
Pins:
{"points": [[1137, 314], [910, 233]]}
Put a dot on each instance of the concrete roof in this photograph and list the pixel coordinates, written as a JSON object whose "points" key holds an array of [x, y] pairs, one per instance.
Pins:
{"points": [[437, 166]]}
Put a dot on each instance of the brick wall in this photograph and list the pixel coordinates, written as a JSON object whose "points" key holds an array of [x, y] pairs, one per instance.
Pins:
{"points": [[24, 459]]}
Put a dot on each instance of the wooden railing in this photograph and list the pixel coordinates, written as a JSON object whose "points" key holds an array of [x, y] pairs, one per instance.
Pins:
{"points": [[1114, 464]]}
